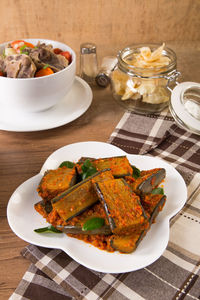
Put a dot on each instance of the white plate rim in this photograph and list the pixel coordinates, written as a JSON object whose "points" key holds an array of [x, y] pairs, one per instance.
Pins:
{"points": [[140, 261], [68, 119]]}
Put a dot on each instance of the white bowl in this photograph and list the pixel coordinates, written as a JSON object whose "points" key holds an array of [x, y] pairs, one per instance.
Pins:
{"points": [[41, 93]]}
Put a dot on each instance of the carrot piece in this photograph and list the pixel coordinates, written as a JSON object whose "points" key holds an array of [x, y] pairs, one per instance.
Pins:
{"points": [[67, 55], [29, 45], [1, 73], [17, 44], [20, 43], [44, 72], [57, 50]]}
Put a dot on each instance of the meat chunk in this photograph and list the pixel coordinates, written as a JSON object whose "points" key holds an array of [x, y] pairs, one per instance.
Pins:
{"points": [[19, 66], [42, 55], [45, 46], [2, 64]]}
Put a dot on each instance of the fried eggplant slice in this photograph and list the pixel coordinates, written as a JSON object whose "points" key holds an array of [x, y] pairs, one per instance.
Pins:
{"points": [[122, 206], [148, 181], [126, 243], [119, 165], [43, 208], [152, 205], [56, 181], [79, 197], [75, 225], [84, 158]]}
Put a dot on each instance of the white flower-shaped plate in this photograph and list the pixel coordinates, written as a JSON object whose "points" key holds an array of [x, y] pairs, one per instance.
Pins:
{"points": [[23, 218]]}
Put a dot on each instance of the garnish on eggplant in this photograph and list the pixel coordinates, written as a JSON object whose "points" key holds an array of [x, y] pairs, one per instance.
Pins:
{"points": [[93, 223], [158, 191], [75, 229], [87, 169], [136, 172], [49, 228], [67, 164]]}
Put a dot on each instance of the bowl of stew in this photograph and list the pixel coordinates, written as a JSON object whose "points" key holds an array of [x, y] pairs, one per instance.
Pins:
{"points": [[35, 74]]}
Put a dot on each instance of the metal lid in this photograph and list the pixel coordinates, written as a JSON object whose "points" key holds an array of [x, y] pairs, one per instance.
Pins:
{"points": [[102, 80], [185, 106], [87, 48]]}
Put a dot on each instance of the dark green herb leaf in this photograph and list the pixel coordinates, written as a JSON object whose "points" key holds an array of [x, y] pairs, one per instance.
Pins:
{"points": [[93, 223], [22, 48], [136, 172], [67, 164], [49, 228], [87, 163], [157, 191], [46, 66], [88, 169], [84, 175]]}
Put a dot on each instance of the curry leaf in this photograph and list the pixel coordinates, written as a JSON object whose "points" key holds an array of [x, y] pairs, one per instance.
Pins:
{"points": [[136, 172], [49, 228], [87, 169], [67, 164], [157, 191], [93, 223]]}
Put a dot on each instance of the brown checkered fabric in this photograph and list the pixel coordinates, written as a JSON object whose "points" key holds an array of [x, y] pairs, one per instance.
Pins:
{"points": [[176, 274]]}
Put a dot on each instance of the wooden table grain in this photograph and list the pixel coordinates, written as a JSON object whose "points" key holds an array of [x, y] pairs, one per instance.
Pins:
{"points": [[22, 155]]}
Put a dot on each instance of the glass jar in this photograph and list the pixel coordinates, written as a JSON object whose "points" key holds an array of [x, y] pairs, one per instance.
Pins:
{"points": [[143, 90]]}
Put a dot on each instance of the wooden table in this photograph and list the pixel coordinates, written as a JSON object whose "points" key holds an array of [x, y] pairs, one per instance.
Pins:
{"points": [[22, 155]]}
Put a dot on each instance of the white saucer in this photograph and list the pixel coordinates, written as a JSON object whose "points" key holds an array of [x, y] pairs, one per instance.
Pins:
{"points": [[75, 103]]}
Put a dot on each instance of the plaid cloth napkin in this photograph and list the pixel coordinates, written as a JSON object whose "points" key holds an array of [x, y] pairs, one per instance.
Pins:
{"points": [[176, 274]]}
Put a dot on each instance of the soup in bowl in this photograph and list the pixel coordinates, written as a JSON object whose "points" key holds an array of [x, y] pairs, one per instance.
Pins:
{"points": [[35, 74]]}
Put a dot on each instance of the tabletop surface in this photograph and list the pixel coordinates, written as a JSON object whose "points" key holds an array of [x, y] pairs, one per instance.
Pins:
{"points": [[23, 154]]}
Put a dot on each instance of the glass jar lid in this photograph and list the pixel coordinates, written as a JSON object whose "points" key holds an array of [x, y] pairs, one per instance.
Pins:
{"points": [[185, 106], [87, 48]]}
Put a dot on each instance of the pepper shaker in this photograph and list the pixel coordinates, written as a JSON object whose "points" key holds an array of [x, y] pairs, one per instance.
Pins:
{"points": [[107, 66]]}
